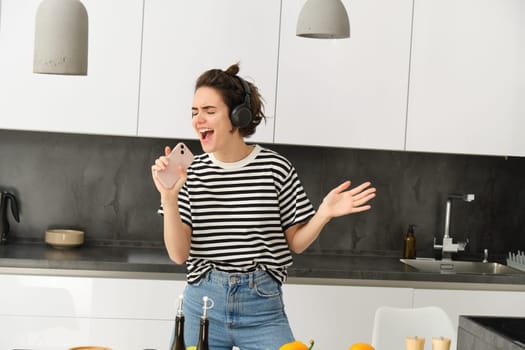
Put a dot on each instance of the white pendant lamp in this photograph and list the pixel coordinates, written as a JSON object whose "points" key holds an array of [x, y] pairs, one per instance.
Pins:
{"points": [[323, 19], [61, 38]]}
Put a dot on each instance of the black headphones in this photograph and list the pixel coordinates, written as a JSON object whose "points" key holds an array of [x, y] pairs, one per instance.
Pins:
{"points": [[241, 116]]}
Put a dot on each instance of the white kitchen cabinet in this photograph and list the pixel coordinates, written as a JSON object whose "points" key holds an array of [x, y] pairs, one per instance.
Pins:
{"points": [[182, 39], [103, 102], [472, 302], [338, 316], [51, 312], [62, 312], [52, 333], [467, 77], [346, 92]]}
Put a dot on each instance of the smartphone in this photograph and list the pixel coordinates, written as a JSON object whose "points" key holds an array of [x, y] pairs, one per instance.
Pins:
{"points": [[180, 156]]}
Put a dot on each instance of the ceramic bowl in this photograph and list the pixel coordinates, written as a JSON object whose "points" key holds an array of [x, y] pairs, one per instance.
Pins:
{"points": [[64, 238]]}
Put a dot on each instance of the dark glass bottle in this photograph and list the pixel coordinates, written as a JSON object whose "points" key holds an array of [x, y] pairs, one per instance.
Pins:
{"points": [[202, 343], [409, 249], [178, 340]]}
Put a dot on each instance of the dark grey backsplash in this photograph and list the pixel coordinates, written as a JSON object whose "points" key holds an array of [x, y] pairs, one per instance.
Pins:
{"points": [[102, 184]]}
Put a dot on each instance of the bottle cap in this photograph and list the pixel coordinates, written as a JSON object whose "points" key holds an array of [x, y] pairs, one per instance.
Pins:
{"points": [[179, 309]]}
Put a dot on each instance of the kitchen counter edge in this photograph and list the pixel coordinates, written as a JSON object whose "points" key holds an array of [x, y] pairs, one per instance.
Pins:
{"points": [[154, 264]]}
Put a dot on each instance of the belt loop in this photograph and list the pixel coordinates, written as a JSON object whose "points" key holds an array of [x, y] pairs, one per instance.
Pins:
{"points": [[208, 276], [252, 277]]}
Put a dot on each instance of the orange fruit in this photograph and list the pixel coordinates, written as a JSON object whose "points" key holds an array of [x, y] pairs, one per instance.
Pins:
{"points": [[361, 346], [296, 345]]}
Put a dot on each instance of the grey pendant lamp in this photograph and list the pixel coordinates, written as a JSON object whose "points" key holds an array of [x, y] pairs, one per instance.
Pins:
{"points": [[323, 19], [61, 38]]}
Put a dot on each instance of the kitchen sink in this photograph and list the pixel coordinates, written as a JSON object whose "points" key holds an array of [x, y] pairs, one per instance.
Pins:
{"points": [[471, 267]]}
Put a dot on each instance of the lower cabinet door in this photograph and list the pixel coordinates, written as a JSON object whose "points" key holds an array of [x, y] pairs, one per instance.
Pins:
{"points": [[52, 333], [473, 302], [335, 317]]}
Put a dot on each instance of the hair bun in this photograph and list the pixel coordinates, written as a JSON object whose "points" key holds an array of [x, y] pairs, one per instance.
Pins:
{"points": [[233, 69]]}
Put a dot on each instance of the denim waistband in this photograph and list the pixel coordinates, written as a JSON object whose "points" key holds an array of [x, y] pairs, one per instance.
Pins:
{"points": [[230, 278]]}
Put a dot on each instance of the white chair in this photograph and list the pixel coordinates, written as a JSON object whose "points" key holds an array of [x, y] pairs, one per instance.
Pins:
{"points": [[392, 325]]}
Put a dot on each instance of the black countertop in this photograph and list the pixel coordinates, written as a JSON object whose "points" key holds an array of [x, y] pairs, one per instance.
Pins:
{"points": [[332, 268]]}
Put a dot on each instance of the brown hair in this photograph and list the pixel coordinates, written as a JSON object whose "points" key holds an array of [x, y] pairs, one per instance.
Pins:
{"points": [[229, 86]]}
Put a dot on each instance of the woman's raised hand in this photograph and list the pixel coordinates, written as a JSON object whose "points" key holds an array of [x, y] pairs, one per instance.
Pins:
{"points": [[342, 200], [160, 164]]}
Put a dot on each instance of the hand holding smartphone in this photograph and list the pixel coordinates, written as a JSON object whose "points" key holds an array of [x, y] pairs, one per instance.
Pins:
{"points": [[179, 156]]}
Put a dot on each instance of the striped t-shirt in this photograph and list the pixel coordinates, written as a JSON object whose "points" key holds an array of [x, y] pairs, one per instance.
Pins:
{"points": [[239, 212]]}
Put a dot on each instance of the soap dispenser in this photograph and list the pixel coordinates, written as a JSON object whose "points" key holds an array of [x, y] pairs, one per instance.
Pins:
{"points": [[409, 248]]}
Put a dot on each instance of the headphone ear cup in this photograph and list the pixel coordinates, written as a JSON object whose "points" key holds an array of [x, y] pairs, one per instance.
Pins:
{"points": [[241, 116]]}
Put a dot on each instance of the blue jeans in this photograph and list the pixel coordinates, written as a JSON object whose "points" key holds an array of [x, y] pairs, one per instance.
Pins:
{"points": [[247, 311]]}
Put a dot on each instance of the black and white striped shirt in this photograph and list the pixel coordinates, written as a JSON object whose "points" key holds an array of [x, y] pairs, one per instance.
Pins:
{"points": [[239, 212]]}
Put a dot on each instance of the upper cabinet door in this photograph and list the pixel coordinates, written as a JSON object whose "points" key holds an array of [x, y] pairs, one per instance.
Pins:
{"points": [[182, 39], [346, 92], [467, 86], [103, 102]]}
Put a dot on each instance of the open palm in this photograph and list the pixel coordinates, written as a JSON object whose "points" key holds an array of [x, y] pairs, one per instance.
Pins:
{"points": [[341, 201]]}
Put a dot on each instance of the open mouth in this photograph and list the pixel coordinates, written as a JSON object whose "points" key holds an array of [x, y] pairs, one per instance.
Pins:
{"points": [[205, 134]]}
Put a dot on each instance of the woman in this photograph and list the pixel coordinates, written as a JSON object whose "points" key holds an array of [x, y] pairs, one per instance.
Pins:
{"points": [[235, 216]]}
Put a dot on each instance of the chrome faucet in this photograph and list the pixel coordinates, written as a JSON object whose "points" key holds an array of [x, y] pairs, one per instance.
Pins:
{"points": [[448, 246]]}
